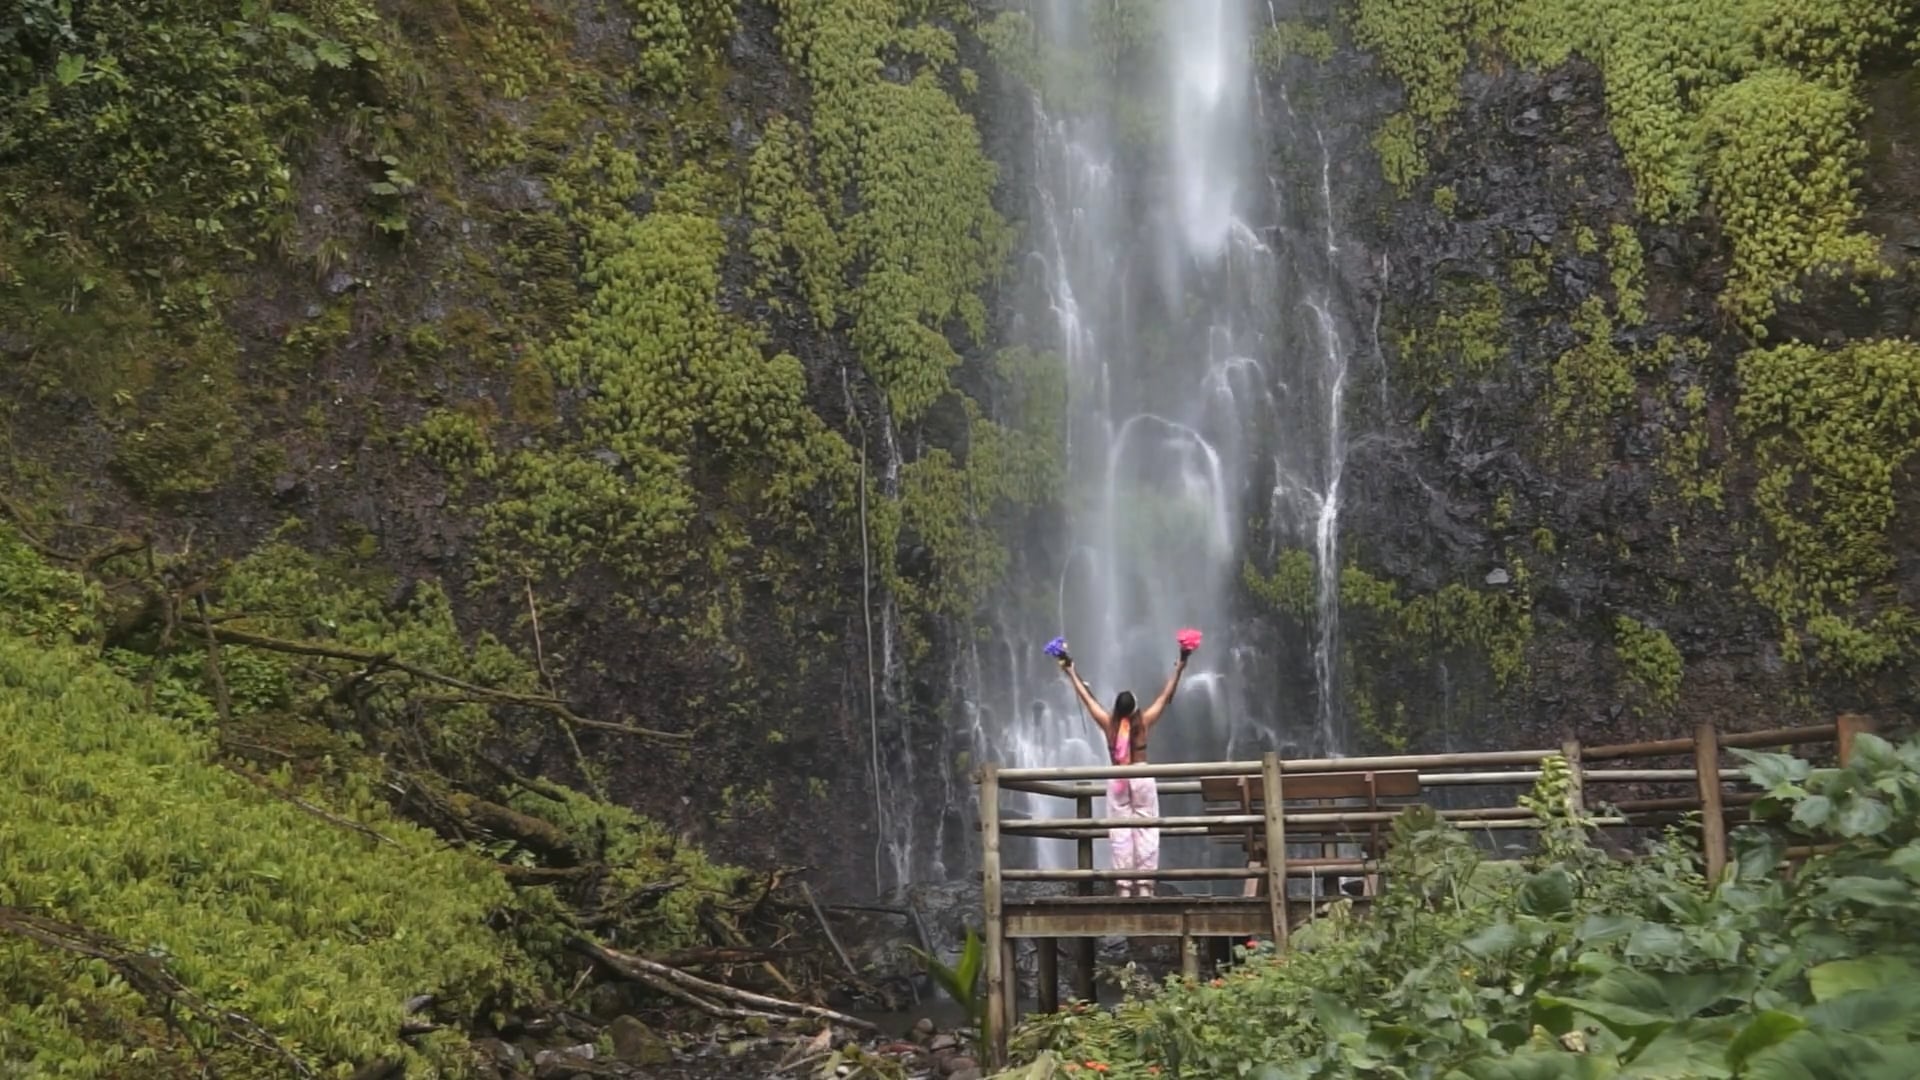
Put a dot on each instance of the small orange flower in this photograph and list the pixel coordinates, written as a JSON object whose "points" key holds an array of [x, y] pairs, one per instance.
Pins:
{"points": [[1154, 1069], [1097, 1066], [1217, 983]]}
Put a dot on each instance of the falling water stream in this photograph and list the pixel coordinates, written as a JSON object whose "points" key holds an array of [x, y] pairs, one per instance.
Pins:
{"points": [[1189, 291], [1190, 296]]}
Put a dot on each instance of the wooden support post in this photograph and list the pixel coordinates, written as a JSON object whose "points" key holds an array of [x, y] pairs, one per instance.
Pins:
{"points": [[1047, 993], [1577, 792], [1084, 947], [1276, 847], [1189, 957], [1846, 728], [1713, 817], [998, 1013], [1013, 996]]}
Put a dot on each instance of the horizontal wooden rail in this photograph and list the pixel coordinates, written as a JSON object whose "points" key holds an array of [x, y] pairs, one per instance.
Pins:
{"points": [[1746, 740], [1296, 868], [1209, 822], [1235, 769], [1516, 777]]}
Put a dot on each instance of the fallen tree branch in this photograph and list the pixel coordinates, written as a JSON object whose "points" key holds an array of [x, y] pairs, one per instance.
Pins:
{"points": [[324, 815], [642, 969], [547, 875], [151, 977], [122, 544], [546, 703], [723, 954]]}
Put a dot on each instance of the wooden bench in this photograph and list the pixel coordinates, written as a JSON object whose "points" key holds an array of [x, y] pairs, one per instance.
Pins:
{"points": [[1246, 795]]}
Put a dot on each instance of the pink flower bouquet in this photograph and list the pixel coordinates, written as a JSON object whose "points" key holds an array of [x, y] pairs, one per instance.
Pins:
{"points": [[1189, 640]]}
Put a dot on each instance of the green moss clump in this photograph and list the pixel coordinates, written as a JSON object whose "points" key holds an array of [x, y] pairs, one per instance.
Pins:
{"points": [[1293, 37], [1289, 588], [1650, 659], [673, 381], [455, 440], [1831, 430], [783, 196], [1528, 273], [1591, 381], [1497, 625], [1467, 336], [1444, 200], [1401, 157], [1781, 169], [675, 35], [1684, 461], [1626, 269]]}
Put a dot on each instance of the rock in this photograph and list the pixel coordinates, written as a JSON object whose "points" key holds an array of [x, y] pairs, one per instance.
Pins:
{"points": [[960, 1065], [636, 1043], [567, 1055], [942, 1042], [1498, 576], [922, 1030], [965, 1074], [502, 1053]]}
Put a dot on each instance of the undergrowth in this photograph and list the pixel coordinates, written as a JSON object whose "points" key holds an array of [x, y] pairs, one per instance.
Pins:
{"points": [[1571, 964], [319, 892]]}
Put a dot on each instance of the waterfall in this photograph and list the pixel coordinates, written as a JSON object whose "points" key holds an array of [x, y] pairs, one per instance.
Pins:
{"points": [[1190, 292]]}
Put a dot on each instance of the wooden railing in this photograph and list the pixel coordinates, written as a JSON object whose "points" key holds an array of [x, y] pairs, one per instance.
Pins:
{"points": [[1084, 917]]}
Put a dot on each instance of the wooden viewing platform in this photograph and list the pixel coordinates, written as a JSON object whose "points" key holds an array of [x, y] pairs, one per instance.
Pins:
{"points": [[1259, 806]]}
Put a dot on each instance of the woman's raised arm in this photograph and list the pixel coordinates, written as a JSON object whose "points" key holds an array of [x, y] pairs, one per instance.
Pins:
{"points": [[1152, 713], [1100, 715]]}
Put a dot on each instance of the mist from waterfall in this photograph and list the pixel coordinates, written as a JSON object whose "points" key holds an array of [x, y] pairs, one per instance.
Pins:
{"points": [[1190, 297]]}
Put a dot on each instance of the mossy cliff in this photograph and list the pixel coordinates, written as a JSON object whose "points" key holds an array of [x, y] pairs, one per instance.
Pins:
{"points": [[639, 329], [1642, 406]]}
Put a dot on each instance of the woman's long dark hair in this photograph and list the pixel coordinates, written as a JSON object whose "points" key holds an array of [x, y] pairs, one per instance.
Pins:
{"points": [[1123, 705]]}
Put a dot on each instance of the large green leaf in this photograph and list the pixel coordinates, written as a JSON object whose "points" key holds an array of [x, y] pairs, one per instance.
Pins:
{"points": [[1598, 929], [1492, 940], [1772, 771], [1815, 1055], [1813, 811], [1692, 1050], [1863, 815], [1872, 891], [1838, 977], [1758, 852], [1892, 1010], [1762, 1031], [1539, 1065]]}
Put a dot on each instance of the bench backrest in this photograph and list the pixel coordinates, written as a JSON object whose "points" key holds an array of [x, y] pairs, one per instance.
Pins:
{"points": [[1339, 785]]}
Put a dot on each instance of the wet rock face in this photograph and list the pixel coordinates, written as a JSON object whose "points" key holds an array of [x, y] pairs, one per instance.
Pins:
{"points": [[1463, 471]]}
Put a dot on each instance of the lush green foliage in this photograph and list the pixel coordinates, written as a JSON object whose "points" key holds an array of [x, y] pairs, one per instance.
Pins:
{"points": [[1289, 588], [1494, 624], [1832, 429], [121, 818], [115, 817], [675, 381], [1572, 964]]}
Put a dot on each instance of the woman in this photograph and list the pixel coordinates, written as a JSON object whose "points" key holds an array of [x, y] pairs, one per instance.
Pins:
{"points": [[1127, 731]]}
